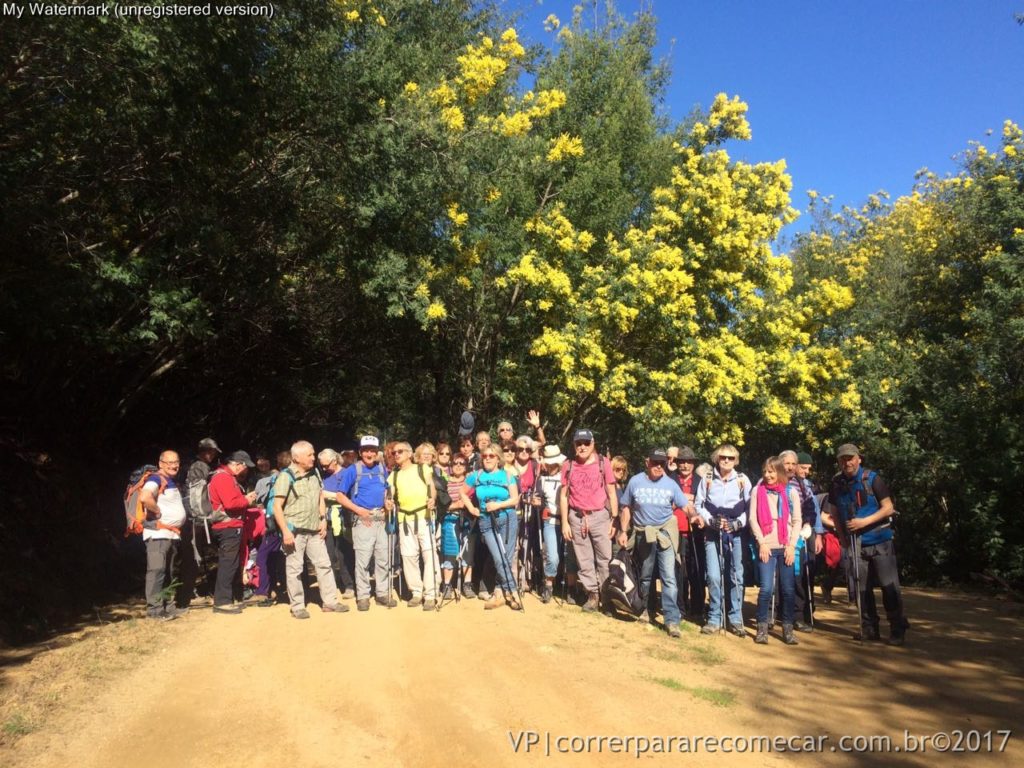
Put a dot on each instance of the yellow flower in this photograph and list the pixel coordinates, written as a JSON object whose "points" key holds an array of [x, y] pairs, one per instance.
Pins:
{"points": [[352, 16], [551, 23], [454, 119], [436, 311], [411, 87], [565, 146]]}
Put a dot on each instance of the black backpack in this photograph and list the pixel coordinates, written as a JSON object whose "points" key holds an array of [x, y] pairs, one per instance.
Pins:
{"points": [[621, 590]]}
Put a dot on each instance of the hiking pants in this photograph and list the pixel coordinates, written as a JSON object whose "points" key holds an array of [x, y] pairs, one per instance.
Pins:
{"points": [[766, 580], [229, 541], [499, 533], [804, 605], [340, 551], [652, 556], [552, 532], [413, 543], [733, 553], [592, 546], [370, 540], [309, 544], [270, 561], [160, 557], [877, 567]]}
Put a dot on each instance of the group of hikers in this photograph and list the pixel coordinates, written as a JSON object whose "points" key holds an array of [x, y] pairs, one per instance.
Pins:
{"points": [[494, 519]]}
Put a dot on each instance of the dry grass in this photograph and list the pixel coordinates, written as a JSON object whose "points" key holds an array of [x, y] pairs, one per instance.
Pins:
{"points": [[62, 678]]}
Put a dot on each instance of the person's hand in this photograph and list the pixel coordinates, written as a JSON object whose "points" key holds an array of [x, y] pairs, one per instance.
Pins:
{"points": [[362, 511], [536, 500], [287, 540], [622, 538], [322, 530], [533, 418], [567, 532], [790, 554], [764, 553], [856, 524], [698, 521], [251, 496], [818, 546], [431, 503], [611, 530], [389, 505]]}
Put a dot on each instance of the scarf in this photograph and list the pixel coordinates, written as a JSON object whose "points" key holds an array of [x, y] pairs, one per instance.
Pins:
{"points": [[764, 514]]}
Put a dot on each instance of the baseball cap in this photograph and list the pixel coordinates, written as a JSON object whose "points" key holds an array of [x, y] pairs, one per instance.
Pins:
{"points": [[686, 454], [368, 441], [657, 456], [848, 449], [804, 458], [583, 434], [466, 424], [241, 457]]}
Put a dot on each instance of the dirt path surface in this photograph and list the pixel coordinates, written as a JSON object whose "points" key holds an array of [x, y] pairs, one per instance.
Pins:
{"points": [[409, 688]]}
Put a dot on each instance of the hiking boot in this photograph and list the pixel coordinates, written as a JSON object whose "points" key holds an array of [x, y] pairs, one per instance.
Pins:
{"points": [[867, 634], [174, 612], [898, 637], [348, 594], [761, 638], [232, 609], [338, 608], [513, 602], [644, 617], [302, 613], [266, 602], [545, 596], [737, 630], [429, 605], [826, 596], [802, 626], [363, 605], [592, 604], [467, 592], [483, 594], [157, 614], [415, 602], [788, 637], [709, 629], [387, 602], [673, 630]]}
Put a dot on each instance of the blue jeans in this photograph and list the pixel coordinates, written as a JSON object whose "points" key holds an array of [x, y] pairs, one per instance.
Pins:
{"points": [[766, 579], [505, 525], [734, 568], [666, 561], [552, 532]]}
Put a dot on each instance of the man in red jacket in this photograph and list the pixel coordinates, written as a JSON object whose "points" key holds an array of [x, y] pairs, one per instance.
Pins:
{"points": [[229, 500]]}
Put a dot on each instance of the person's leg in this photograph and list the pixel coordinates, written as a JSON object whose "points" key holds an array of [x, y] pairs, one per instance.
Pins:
{"points": [[364, 540], [316, 551], [735, 560], [888, 578], [682, 576], [229, 540], [599, 524], [382, 578], [410, 549], [472, 536], [431, 571], [156, 571], [584, 551], [551, 534], [268, 544], [766, 587], [714, 581], [669, 590], [294, 564], [647, 556], [868, 609], [802, 604], [787, 582]]}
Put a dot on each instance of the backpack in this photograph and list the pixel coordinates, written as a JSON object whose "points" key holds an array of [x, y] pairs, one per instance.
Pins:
{"points": [[136, 515], [200, 504], [621, 590], [359, 474], [600, 472], [268, 505]]}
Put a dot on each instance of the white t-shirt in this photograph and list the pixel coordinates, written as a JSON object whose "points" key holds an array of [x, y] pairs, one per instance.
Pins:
{"points": [[172, 510]]}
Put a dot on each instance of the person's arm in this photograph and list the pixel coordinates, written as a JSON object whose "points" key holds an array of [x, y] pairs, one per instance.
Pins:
{"points": [[563, 509], [323, 515], [795, 524], [884, 511], [287, 538], [755, 528], [226, 494], [148, 498], [625, 515], [533, 417]]}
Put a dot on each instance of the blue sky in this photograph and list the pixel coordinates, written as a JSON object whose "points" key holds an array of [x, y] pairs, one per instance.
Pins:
{"points": [[856, 96]]}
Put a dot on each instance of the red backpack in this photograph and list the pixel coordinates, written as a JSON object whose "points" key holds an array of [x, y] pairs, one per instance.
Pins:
{"points": [[136, 515]]}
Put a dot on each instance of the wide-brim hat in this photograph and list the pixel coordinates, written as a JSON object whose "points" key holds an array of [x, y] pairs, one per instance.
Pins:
{"points": [[552, 454], [686, 454]]}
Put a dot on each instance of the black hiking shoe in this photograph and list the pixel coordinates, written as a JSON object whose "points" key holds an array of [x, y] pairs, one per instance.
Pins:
{"points": [[867, 634], [802, 626], [898, 636], [737, 630]]}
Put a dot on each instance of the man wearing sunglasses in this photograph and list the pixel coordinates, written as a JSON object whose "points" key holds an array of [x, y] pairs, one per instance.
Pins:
{"points": [[588, 508], [721, 504]]}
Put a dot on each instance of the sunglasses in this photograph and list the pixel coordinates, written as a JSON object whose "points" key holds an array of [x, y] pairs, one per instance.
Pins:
{"points": [[488, 455], [578, 443], [445, 453], [728, 458], [458, 463]]}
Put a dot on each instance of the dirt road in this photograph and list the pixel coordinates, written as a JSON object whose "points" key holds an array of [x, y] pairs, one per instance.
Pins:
{"points": [[408, 688]]}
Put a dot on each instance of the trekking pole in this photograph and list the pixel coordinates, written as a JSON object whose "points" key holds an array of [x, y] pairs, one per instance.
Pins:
{"points": [[775, 594], [855, 548], [504, 558], [433, 553], [540, 548], [721, 569], [810, 587]]}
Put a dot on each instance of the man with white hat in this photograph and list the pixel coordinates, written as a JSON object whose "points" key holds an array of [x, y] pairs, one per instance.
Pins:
{"points": [[361, 492]]}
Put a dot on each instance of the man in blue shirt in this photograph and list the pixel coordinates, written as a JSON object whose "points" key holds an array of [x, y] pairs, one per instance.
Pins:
{"points": [[361, 492], [722, 505], [646, 506]]}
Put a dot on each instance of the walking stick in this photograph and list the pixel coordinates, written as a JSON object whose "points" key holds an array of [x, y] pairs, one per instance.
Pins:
{"points": [[775, 593], [855, 549], [389, 528], [433, 552], [504, 558], [810, 587], [721, 570]]}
